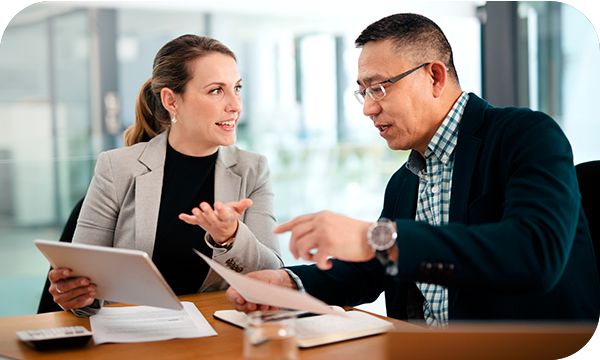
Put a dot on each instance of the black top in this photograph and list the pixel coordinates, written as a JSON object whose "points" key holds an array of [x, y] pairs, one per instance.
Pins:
{"points": [[187, 182]]}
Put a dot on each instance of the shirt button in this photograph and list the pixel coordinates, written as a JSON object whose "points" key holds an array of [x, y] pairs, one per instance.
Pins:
{"points": [[434, 189]]}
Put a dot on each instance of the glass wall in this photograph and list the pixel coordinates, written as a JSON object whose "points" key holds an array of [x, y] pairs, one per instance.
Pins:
{"points": [[70, 92], [559, 49], [45, 155], [579, 49]]}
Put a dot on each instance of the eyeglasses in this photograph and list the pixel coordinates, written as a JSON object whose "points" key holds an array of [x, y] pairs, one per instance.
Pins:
{"points": [[377, 91]]}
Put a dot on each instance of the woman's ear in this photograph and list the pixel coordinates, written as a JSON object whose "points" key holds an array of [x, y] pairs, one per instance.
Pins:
{"points": [[439, 75], [168, 100]]}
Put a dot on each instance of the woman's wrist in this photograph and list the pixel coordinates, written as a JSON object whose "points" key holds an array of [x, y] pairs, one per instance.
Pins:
{"points": [[226, 243], [229, 239]]}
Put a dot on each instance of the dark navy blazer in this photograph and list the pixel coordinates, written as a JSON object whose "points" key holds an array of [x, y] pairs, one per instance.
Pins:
{"points": [[517, 245]]}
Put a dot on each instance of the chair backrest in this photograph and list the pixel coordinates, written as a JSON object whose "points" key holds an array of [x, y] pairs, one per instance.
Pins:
{"points": [[588, 176], [47, 304]]}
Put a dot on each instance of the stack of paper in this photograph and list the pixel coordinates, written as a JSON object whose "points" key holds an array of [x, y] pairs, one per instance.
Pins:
{"points": [[145, 323]]}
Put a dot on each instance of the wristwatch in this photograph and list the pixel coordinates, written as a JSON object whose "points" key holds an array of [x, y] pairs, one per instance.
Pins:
{"points": [[382, 238]]}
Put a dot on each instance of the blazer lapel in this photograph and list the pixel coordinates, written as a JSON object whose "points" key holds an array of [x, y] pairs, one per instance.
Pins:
{"points": [[228, 185], [465, 155], [148, 190], [406, 199]]}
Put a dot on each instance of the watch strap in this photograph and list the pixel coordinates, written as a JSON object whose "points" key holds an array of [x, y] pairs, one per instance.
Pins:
{"points": [[389, 259]]}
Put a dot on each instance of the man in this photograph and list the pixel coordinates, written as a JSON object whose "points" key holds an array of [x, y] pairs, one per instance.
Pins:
{"points": [[487, 221]]}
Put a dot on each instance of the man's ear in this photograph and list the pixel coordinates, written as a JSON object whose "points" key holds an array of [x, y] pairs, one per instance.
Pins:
{"points": [[168, 100], [439, 75]]}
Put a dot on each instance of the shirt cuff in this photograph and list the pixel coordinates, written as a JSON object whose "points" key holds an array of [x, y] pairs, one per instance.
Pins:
{"points": [[295, 279]]}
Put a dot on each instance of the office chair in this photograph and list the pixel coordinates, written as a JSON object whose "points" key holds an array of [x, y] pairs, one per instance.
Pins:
{"points": [[588, 176], [47, 304]]}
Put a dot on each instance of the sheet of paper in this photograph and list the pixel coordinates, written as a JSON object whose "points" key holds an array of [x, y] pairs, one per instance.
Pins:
{"points": [[262, 293], [145, 323]]}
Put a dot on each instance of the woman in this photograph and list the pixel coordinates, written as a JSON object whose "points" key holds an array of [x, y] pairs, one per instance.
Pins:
{"points": [[180, 157]]}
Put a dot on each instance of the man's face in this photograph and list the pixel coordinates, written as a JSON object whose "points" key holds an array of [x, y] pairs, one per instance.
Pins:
{"points": [[405, 116]]}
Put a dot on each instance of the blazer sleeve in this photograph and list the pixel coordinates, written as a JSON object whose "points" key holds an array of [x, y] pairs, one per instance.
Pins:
{"points": [[96, 223], [346, 283], [519, 229], [255, 246], [100, 209]]}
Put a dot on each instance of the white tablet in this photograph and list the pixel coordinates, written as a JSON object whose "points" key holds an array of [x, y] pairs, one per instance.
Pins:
{"points": [[121, 275]]}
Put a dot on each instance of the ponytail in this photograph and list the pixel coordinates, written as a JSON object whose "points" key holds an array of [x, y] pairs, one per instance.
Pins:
{"points": [[150, 117]]}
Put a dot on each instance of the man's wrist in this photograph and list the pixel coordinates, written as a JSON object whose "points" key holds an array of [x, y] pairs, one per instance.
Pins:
{"points": [[292, 280], [382, 237]]}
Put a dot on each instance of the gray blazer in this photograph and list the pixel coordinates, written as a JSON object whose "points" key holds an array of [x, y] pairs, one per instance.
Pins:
{"points": [[122, 204]]}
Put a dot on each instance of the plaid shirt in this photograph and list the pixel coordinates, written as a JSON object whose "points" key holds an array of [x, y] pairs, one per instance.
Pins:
{"points": [[433, 202]]}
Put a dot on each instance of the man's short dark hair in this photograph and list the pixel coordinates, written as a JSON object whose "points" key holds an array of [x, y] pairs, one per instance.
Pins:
{"points": [[414, 33]]}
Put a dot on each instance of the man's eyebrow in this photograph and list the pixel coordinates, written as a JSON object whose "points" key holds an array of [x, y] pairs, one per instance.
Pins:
{"points": [[369, 80]]}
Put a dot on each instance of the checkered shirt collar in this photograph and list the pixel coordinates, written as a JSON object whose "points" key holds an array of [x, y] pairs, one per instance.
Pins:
{"points": [[444, 140]]}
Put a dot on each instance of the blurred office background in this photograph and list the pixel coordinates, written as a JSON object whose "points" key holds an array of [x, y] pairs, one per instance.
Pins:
{"points": [[70, 73]]}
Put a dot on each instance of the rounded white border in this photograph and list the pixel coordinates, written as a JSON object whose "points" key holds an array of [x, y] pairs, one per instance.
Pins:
{"points": [[589, 8]]}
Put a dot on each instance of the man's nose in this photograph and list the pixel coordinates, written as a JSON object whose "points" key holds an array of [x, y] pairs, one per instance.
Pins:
{"points": [[371, 107]]}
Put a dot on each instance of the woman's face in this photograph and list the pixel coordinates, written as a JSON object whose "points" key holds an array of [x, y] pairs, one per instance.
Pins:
{"points": [[209, 109]]}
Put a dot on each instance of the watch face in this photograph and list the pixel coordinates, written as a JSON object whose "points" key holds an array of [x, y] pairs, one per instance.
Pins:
{"points": [[382, 235]]}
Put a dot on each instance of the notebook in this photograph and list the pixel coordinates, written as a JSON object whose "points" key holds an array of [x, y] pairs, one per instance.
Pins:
{"points": [[322, 329]]}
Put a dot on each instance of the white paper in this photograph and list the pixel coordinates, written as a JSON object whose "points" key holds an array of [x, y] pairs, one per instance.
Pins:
{"points": [[146, 323], [260, 292]]}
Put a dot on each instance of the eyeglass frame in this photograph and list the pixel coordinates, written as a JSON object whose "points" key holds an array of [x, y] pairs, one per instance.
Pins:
{"points": [[361, 93]]}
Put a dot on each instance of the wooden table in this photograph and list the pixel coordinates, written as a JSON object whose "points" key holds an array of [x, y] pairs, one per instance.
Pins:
{"points": [[408, 341], [492, 341], [227, 345]]}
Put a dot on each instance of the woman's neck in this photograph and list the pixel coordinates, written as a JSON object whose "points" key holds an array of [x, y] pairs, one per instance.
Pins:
{"points": [[190, 146]]}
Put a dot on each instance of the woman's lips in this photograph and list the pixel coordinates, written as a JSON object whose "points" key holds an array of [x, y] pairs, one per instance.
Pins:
{"points": [[227, 124]]}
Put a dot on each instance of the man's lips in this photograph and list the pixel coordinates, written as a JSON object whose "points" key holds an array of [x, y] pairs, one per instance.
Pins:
{"points": [[382, 127]]}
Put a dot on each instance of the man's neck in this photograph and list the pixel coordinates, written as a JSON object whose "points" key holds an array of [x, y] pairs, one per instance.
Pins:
{"points": [[440, 111]]}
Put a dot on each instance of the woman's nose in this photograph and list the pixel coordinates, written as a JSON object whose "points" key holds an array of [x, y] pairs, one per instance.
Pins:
{"points": [[234, 103]]}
